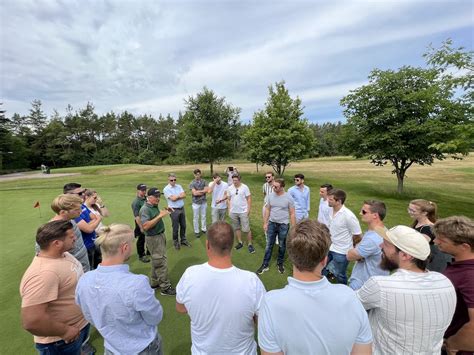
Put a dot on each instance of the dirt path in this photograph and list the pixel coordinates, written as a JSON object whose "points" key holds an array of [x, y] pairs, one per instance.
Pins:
{"points": [[34, 175]]}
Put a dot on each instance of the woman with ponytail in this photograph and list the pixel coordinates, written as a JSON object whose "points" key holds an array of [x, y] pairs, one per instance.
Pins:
{"points": [[424, 214]]}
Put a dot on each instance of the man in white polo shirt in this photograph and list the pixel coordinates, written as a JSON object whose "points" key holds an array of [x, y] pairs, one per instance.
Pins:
{"points": [[175, 196], [219, 206], [221, 300], [311, 315], [240, 202], [345, 232], [409, 310]]}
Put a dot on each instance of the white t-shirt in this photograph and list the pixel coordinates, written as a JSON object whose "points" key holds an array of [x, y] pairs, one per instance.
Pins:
{"points": [[238, 198], [409, 311], [342, 226], [218, 191], [221, 304], [324, 212]]}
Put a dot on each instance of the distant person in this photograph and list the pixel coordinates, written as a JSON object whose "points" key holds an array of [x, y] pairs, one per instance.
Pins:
{"points": [[90, 201], [67, 207], [324, 211], [139, 232], [221, 299], [219, 206], [152, 223], [240, 202], [301, 195], [423, 213], [121, 305], [409, 310], [311, 315], [87, 223], [267, 189], [455, 236], [345, 232], [175, 196], [279, 214], [368, 254], [230, 171], [198, 189], [48, 310]]}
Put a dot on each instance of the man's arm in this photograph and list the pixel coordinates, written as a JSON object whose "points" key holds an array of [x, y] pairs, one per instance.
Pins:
{"points": [[37, 321], [181, 308], [91, 226], [292, 216], [463, 339], [353, 255], [266, 217], [151, 223], [356, 238], [249, 204], [361, 349]]}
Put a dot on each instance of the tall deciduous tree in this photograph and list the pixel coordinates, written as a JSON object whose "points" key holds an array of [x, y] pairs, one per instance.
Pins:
{"points": [[279, 134], [208, 128], [404, 117]]}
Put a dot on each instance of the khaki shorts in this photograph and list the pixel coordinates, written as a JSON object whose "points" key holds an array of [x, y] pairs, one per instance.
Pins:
{"points": [[240, 221]]}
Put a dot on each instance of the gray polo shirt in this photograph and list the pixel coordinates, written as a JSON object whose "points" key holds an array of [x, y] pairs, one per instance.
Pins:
{"points": [[198, 185], [280, 207]]}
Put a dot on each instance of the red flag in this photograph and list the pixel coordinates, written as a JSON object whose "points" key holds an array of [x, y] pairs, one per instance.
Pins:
{"points": [[36, 205]]}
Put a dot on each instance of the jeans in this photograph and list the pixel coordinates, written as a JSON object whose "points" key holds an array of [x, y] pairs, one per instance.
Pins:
{"points": [[337, 264], [274, 230], [178, 221], [199, 210], [61, 348]]}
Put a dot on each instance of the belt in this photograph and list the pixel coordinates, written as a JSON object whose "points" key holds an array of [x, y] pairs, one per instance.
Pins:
{"points": [[177, 208]]}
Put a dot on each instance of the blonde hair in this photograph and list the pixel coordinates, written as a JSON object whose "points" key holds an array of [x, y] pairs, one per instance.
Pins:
{"points": [[111, 237], [426, 206], [459, 229], [65, 202]]}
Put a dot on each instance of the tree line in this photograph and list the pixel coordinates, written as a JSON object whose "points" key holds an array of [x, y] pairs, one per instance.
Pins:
{"points": [[401, 117]]}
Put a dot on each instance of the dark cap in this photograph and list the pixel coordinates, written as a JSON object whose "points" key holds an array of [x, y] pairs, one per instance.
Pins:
{"points": [[153, 191], [141, 187]]}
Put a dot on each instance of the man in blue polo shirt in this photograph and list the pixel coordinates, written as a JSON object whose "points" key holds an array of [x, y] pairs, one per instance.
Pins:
{"points": [[300, 194]]}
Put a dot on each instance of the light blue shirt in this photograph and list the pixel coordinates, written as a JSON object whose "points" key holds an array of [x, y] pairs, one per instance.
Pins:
{"points": [[176, 190], [301, 198], [369, 249], [121, 306], [312, 318]]}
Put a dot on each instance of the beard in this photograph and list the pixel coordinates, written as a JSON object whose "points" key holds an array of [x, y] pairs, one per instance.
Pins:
{"points": [[387, 264]]}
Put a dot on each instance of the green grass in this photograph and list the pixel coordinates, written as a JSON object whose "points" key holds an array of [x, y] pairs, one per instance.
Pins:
{"points": [[448, 183]]}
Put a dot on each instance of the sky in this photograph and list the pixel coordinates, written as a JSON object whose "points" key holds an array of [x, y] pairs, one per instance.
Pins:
{"points": [[148, 56]]}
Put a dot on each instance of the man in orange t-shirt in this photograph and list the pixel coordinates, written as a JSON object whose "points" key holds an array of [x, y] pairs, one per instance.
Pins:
{"points": [[47, 289]]}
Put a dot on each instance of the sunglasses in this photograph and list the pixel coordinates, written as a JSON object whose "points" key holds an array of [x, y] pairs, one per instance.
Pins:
{"points": [[236, 191], [171, 180], [297, 180], [268, 177], [364, 212], [410, 210]]}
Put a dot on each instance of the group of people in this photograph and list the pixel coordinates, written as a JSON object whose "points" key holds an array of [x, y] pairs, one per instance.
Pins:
{"points": [[411, 289]]}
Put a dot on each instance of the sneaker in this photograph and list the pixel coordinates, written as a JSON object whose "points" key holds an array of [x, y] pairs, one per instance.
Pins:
{"points": [[239, 246], [144, 259], [88, 349], [281, 268], [203, 232], [186, 243], [197, 235], [262, 269], [170, 291], [177, 246], [251, 249]]}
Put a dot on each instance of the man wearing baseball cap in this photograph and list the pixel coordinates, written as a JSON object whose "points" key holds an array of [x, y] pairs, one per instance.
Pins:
{"points": [[409, 310], [137, 204]]}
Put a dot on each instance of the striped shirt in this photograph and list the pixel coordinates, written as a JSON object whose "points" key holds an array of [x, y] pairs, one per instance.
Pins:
{"points": [[267, 189], [409, 311]]}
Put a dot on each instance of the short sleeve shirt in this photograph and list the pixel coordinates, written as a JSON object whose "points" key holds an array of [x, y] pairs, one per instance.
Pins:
{"points": [[137, 204], [342, 227], [176, 190], [280, 206], [147, 213], [238, 198], [198, 185]]}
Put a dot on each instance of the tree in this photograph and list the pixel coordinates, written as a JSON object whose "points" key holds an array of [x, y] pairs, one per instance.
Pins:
{"points": [[405, 117], [36, 118], [279, 134], [208, 128]]}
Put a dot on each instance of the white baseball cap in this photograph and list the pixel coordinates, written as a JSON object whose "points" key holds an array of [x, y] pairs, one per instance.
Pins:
{"points": [[408, 240]]}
